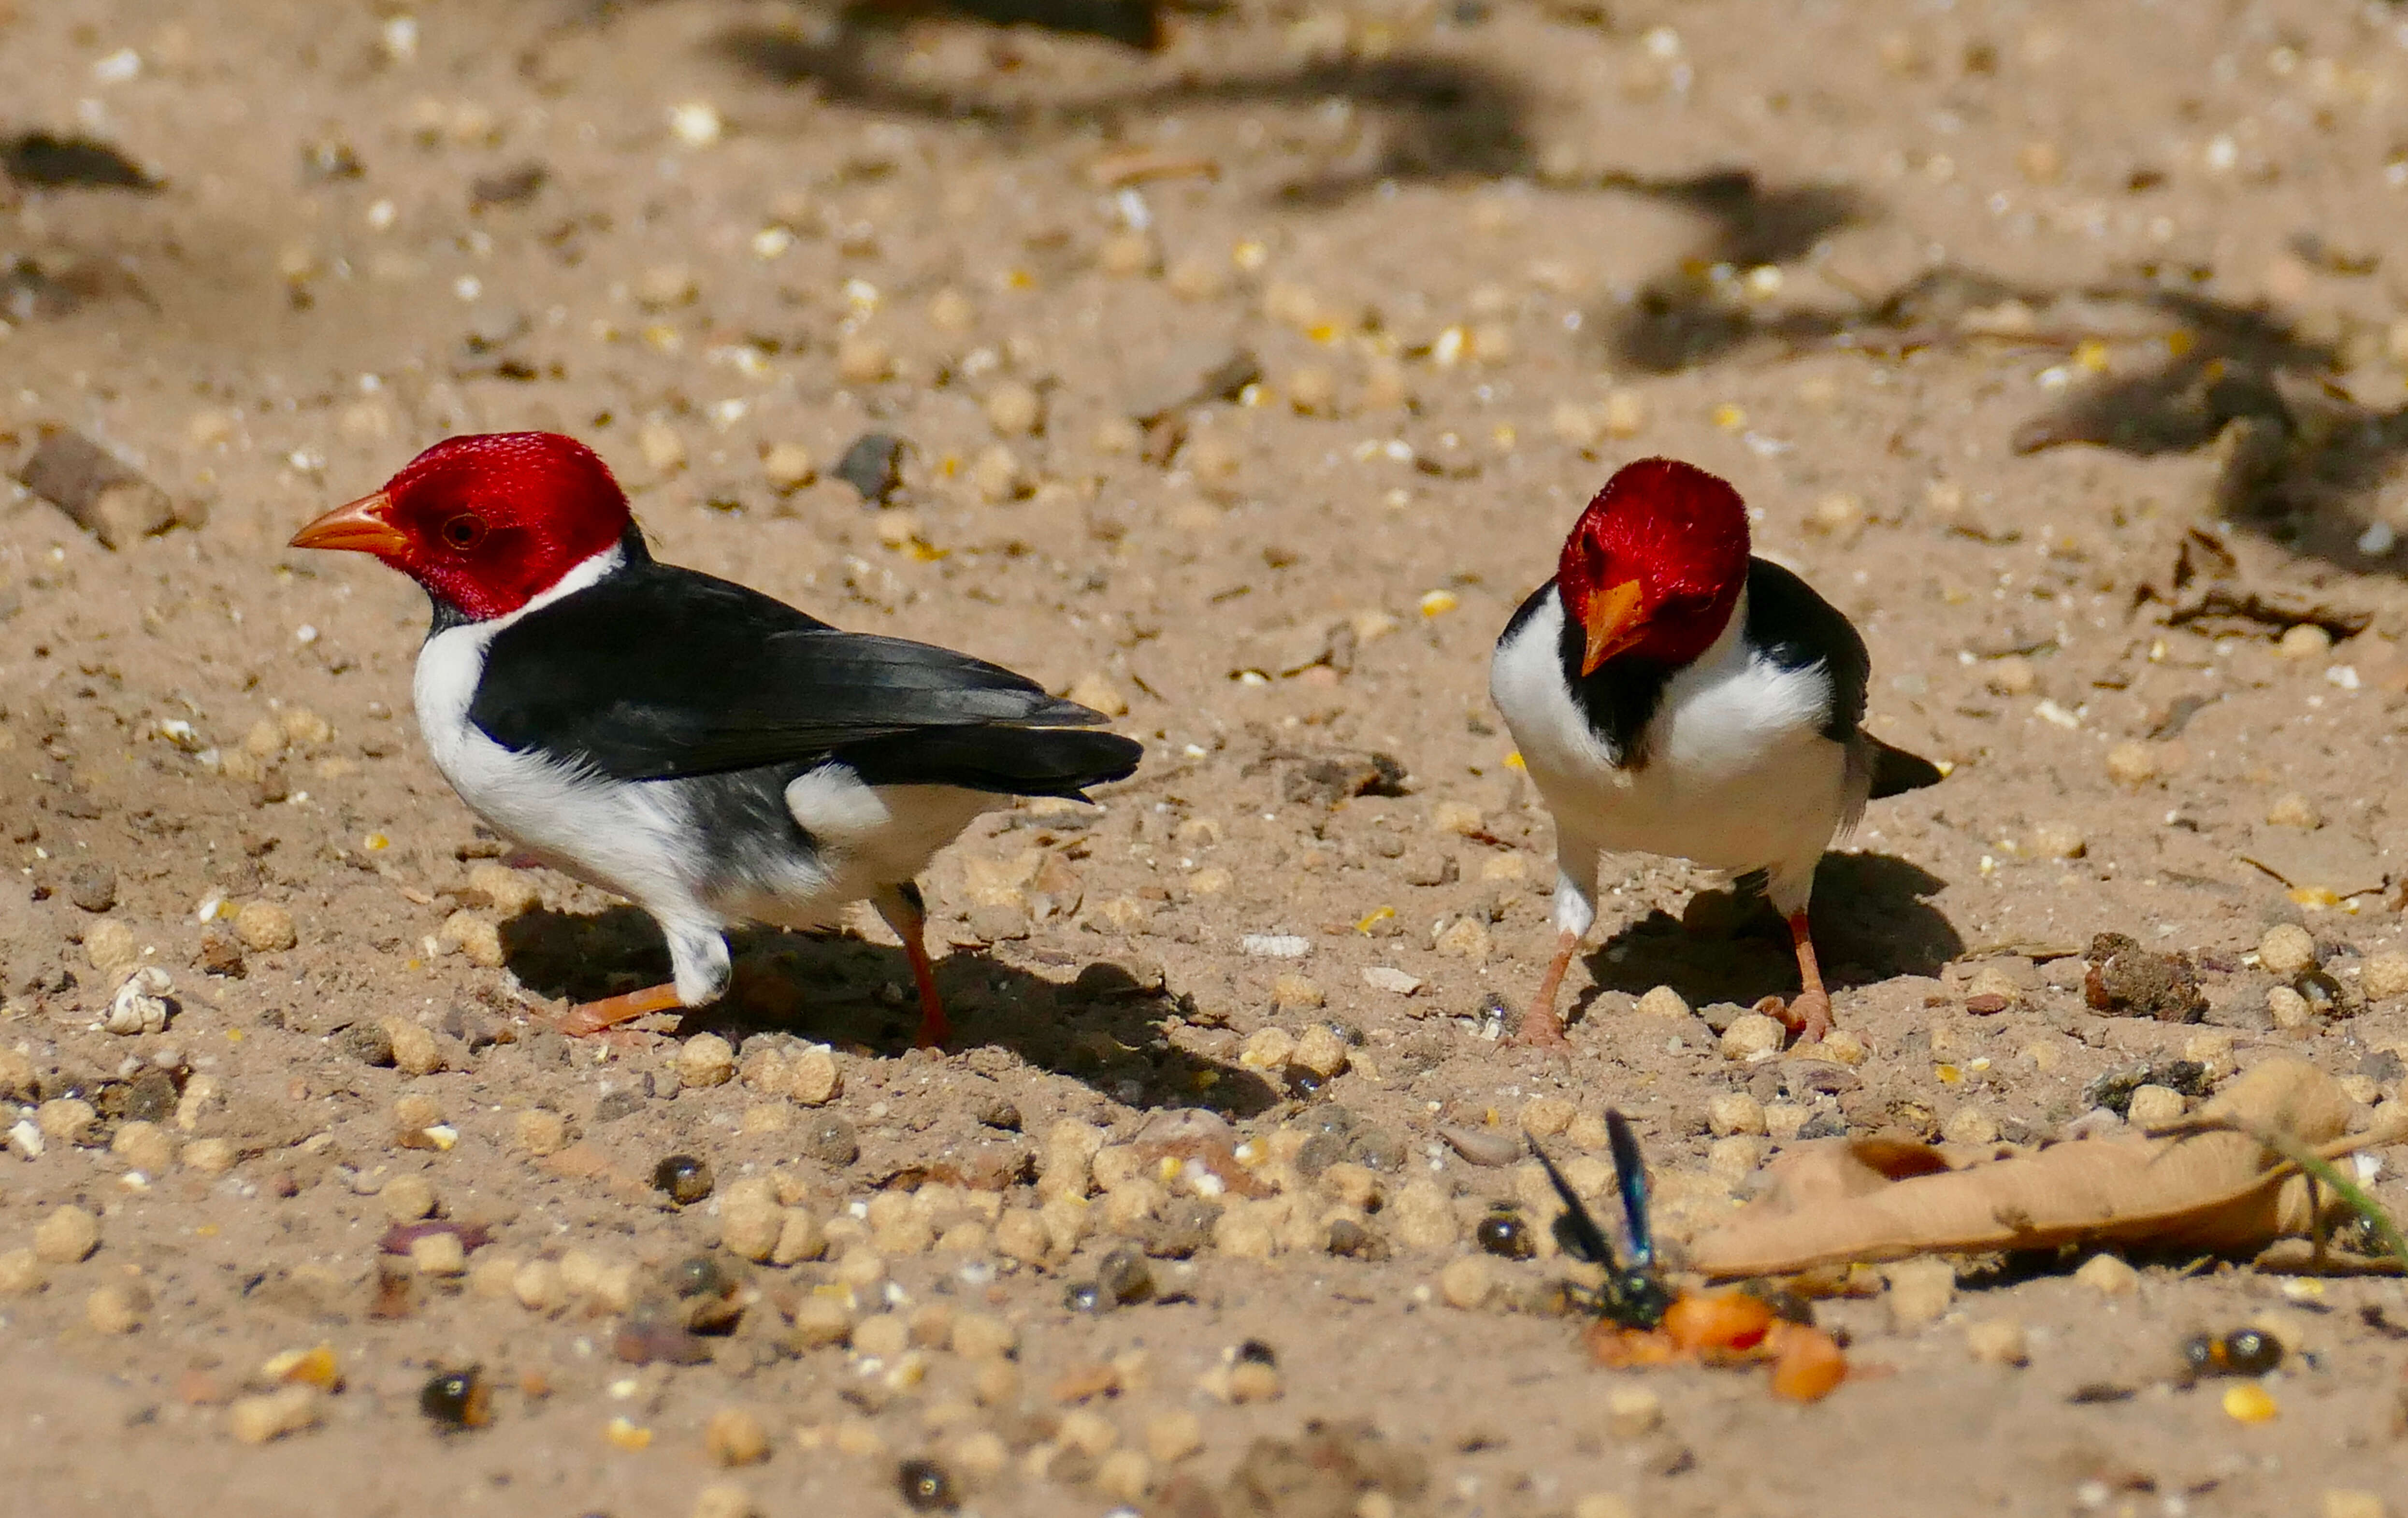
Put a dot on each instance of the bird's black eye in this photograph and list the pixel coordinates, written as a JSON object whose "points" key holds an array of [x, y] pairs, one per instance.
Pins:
{"points": [[464, 532]]}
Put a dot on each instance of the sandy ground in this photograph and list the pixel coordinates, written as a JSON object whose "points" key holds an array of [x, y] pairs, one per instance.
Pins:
{"points": [[2060, 344]]}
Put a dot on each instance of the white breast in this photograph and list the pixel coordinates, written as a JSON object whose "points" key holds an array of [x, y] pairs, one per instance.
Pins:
{"points": [[1738, 774], [619, 837]]}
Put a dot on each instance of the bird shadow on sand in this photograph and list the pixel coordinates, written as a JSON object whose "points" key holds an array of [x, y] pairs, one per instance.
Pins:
{"points": [[1101, 1028], [1874, 921], [1426, 116]]}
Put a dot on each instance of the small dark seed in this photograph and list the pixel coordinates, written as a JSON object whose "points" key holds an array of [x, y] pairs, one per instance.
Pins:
{"points": [[1254, 1352], [1505, 1236], [699, 1275], [831, 1141], [1124, 1278], [1350, 1238], [2250, 1352], [683, 1178], [457, 1399], [926, 1487]]}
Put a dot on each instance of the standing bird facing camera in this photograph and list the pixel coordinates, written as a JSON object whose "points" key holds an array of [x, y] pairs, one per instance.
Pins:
{"points": [[711, 754], [1671, 695]]}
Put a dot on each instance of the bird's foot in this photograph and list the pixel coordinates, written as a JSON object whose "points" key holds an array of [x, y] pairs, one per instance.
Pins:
{"points": [[1807, 1015], [588, 1018], [1540, 1028]]}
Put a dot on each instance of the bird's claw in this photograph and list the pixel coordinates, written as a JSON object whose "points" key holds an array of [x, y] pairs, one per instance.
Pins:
{"points": [[1539, 1030], [1806, 1016]]}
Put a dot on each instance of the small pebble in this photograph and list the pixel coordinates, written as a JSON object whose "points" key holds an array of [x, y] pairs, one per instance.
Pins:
{"points": [[2132, 763], [788, 468], [2011, 676], [2383, 976], [2058, 841], [266, 928], [439, 1253], [1752, 1036], [2350, 1502], [1296, 993], [93, 886], [67, 1119], [407, 1198], [864, 360], [21, 1272], [1663, 1001], [473, 937], [1970, 1124], [68, 1235], [263, 1419], [145, 1146], [1173, 1437], [210, 1156], [1267, 1049], [2156, 1106], [541, 1131], [1633, 1412], [2304, 641], [2108, 1275], [750, 1229], [1014, 411], [725, 1499], [1734, 1112], [706, 1060], [1544, 1117], [736, 1437], [110, 947], [2288, 1008], [1920, 1292], [1468, 1281], [116, 1306], [415, 1051], [2292, 810], [1124, 1475], [813, 1080], [1998, 1342], [2286, 951], [1320, 1050], [1732, 1160], [1251, 1381]]}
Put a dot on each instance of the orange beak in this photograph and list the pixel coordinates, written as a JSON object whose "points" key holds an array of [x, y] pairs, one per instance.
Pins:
{"points": [[360, 528], [1612, 624]]}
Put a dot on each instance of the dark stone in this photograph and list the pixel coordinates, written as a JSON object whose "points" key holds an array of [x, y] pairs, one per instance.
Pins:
{"points": [[93, 886], [618, 1104], [221, 953], [2128, 981], [1182, 1229], [365, 1042], [513, 186], [149, 1097], [831, 1141], [683, 1178], [873, 466], [1377, 1149], [999, 1113], [1124, 1279]]}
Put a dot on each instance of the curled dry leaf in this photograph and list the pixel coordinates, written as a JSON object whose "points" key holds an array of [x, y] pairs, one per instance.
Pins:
{"points": [[2223, 1191]]}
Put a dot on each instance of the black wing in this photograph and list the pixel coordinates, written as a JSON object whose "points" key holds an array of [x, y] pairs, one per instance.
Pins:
{"points": [[1797, 629], [659, 672]]}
